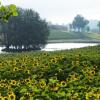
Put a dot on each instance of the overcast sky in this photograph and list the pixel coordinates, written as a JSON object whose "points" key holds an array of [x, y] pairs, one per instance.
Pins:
{"points": [[61, 11]]}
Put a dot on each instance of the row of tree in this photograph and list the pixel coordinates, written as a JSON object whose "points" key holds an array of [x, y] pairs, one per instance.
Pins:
{"points": [[80, 24], [27, 31]]}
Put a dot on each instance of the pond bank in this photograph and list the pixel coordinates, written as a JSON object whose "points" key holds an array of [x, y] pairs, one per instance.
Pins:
{"points": [[73, 41]]}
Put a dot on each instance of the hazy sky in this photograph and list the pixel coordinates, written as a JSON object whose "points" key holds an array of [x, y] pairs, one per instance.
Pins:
{"points": [[61, 11]]}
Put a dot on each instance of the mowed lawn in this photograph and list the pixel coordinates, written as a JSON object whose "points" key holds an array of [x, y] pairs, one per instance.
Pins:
{"points": [[65, 35]]}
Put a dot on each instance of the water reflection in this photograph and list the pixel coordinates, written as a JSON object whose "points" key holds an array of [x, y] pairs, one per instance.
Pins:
{"points": [[62, 46]]}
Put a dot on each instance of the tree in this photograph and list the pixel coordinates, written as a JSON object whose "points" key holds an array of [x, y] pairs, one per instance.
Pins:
{"points": [[98, 26], [7, 11], [79, 23], [26, 31], [87, 28]]}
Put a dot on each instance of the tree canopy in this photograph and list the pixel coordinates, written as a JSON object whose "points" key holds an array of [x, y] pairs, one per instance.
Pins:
{"points": [[27, 31], [79, 23]]}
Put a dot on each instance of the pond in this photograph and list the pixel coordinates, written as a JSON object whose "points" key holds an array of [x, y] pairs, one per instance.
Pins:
{"points": [[62, 46]]}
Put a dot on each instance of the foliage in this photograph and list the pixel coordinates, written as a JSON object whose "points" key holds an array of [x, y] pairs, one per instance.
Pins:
{"points": [[26, 31], [98, 26], [79, 23], [62, 75], [7, 11], [87, 28]]}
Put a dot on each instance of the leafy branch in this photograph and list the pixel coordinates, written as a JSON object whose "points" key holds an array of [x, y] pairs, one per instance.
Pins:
{"points": [[7, 11]]}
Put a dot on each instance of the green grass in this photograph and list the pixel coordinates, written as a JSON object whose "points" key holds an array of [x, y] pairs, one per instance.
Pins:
{"points": [[95, 36], [72, 36]]}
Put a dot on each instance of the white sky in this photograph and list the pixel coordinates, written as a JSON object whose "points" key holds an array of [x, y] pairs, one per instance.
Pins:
{"points": [[61, 11]]}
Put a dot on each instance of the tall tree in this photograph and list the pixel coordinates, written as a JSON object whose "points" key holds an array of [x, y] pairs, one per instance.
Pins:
{"points": [[26, 31], [98, 26], [6, 12], [79, 23]]}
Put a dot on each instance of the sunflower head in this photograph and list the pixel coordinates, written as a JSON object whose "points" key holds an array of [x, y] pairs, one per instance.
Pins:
{"points": [[63, 84], [15, 69], [22, 98], [13, 82], [55, 89], [28, 81], [1, 98], [5, 98], [42, 83], [12, 96]]}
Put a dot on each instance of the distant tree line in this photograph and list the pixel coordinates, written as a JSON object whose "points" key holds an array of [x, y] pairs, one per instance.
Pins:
{"points": [[27, 31], [80, 24]]}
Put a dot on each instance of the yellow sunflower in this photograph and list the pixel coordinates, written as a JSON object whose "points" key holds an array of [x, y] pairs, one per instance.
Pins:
{"points": [[97, 95], [15, 69], [53, 60], [42, 83], [22, 98], [63, 84], [5, 98], [14, 62], [2, 84], [55, 88], [1, 98], [12, 96], [28, 81], [13, 82]]}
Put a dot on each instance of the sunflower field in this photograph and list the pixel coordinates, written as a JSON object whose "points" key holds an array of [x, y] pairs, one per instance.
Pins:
{"points": [[60, 75]]}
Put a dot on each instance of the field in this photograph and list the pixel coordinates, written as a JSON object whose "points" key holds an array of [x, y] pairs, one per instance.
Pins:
{"points": [[60, 75], [65, 36]]}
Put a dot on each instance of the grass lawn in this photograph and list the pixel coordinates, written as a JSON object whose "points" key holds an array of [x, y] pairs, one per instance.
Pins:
{"points": [[64, 36]]}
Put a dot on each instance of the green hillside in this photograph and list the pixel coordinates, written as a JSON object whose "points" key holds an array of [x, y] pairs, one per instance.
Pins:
{"points": [[57, 35]]}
